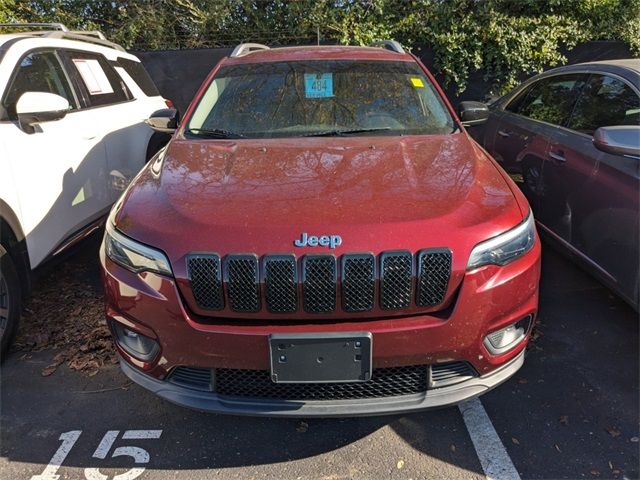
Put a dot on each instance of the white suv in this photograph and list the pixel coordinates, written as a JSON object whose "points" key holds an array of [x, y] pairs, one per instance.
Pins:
{"points": [[72, 136]]}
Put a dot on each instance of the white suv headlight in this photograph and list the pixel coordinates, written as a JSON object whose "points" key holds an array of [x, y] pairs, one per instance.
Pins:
{"points": [[132, 255], [505, 247]]}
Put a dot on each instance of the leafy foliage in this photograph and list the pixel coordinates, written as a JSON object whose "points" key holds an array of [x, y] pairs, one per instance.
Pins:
{"points": [[505, 38]]}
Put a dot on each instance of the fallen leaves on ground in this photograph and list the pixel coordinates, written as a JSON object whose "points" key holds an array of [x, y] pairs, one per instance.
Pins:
{"points": [[613, 431], [66, 313], [564, 419]]}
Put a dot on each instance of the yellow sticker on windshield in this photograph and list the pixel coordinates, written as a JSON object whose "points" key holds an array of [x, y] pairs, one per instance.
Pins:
{"points": [[417, 82]]}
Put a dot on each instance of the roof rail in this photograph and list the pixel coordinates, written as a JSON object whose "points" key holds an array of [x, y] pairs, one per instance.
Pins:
{"points": [[58, 30], [89, 37], [247, 48], [51, 26], [89, 33], [388, 45]]}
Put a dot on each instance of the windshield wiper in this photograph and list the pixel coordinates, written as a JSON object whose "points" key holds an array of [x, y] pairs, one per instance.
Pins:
{"points": [[339, 133], [214, 133]]}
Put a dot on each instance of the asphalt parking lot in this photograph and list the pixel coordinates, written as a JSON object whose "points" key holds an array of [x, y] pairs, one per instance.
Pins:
{"points": [[570, 412]]}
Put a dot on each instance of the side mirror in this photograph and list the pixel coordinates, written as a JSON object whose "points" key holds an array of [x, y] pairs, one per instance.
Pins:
{"points": [[473, 113], [619, 140], [39, 107], [164, 121]]}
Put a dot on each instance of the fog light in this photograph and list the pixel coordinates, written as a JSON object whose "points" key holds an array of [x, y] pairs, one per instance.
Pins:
{"points": [[506, 338], [135, 344]]}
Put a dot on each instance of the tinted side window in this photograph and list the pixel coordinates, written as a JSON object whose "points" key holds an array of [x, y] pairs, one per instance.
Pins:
{"points": [[516, 102], [605, 101], [551, 100], [100, 83], [139, 75], [38, 72]]}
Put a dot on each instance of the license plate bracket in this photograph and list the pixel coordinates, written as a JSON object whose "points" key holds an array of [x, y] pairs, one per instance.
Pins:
{"points": [[320, 358]]}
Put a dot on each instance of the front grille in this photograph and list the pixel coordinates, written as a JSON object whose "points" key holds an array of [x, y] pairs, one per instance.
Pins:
{"points": [[206, 282], [386, 382], [281, 283], [242, 282], [319, 283], [395, 278], [358, 282], [434, 270], [311, 284]]}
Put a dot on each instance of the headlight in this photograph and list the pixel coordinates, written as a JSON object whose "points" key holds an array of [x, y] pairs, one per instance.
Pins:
{"points": [[132, 255], [506, 247]]}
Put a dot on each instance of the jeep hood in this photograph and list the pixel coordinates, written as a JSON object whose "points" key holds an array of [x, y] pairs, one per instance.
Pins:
{"points": [[377, 193]]}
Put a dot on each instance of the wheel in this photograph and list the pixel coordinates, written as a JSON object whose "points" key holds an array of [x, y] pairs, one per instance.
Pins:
{"points": [[9, 301]]}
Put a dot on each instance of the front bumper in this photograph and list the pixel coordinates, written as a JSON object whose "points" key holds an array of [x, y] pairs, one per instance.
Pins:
{"points": [[436, 398], [488, 299]]}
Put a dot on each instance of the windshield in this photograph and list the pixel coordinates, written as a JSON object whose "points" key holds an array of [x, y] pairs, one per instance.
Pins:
{"points": [[319, 98]]}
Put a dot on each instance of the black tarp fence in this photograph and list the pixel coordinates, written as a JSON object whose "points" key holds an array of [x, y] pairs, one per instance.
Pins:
{"points": [[179, 73]]}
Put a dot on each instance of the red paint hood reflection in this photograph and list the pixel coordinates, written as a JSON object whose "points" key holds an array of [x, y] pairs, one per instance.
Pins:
{"points": [[376, 192]]}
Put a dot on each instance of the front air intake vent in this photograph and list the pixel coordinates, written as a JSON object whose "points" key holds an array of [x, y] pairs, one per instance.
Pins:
{"points": [[192, 377], [385, 382], [449, 373]]}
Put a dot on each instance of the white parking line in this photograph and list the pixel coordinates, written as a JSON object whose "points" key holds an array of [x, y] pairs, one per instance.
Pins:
{"points": [[495, 460]]}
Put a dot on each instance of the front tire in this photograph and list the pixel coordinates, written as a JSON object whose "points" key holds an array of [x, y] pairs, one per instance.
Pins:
{"points": [[10, 301]]}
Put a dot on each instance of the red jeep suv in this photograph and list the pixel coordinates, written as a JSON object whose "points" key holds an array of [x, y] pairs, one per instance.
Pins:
{"points": [[321, 237]]}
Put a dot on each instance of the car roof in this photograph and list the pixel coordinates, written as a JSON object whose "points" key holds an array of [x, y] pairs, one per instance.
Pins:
{"points": [[319, 52], [70, 41], [5, 37], [618, 66]]}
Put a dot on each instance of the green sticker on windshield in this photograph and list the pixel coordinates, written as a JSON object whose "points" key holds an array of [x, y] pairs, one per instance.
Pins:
{"points": [[318, 85]]}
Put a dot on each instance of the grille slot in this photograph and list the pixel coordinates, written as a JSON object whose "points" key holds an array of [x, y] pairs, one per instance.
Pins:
{"points": [[206, 283], [192, 377], [386, 382], [395, 280], [319, 283], [434, 270], [235, 281], [358, 282], [242, 283], [281, 283], [450, 373]]}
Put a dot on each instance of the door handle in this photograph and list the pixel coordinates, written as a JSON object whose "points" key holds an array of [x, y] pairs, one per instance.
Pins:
{"points": [[557, 156], [504, 134]]}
